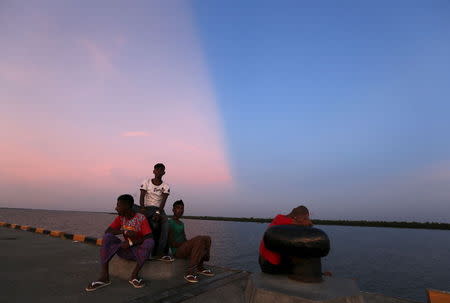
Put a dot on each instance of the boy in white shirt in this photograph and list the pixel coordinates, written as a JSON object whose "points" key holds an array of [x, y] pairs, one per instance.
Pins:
{"points": [[154, 193]]}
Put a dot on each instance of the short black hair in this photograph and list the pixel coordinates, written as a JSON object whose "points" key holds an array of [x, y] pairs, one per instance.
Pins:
{"points": [[300, 211], [160, 165], [178, 202], [127, 199]]}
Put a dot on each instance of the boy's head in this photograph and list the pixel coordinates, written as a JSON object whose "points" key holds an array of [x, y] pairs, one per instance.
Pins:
{"points": [[159, 170], [178, 209], [300, 214], [124, 204]]}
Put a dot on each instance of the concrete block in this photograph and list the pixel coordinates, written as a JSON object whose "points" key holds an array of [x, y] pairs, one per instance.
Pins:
{"points": [[152, 270], [277, 288]]}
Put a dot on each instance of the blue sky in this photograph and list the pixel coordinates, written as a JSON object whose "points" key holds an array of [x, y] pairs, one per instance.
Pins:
{"points": [[255, 106], [325, 101]]}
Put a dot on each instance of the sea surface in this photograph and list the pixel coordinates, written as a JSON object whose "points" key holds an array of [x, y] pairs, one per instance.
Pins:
{"points": [[395, 262]]}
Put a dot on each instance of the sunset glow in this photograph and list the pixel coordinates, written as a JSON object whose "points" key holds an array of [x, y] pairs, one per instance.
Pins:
{"points": [[77, 110]]}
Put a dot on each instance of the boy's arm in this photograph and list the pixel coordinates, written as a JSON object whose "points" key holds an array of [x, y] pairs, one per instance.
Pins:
{"points": [[163, 202], [113, 231], [138, 241], [141, 198], [141, 240], [114, 227], [171, 239], [184, 236], [145, 229]]}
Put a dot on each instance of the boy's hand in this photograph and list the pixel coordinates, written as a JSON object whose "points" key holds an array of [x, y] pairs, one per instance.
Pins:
{"points": [[130, 233], [125, 244], [156, 217]]}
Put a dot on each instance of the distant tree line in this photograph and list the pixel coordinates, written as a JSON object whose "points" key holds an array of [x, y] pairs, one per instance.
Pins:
{"points": [[421, 225], [395, 224]]}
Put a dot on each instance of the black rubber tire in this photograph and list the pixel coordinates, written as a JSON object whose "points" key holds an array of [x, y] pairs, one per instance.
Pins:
{"points": [[297, 241]]}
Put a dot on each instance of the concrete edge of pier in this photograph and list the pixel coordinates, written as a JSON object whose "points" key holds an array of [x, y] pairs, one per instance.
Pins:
{"points": [[167, 285], [55, 233]]}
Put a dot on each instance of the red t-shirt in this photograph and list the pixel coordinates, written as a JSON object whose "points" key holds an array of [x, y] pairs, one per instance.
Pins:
{"points": [[138, 223], [269, 255]]}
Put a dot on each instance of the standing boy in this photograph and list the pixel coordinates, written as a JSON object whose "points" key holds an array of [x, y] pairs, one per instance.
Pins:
{"points": [[137, 245], [154, 193], [195, 249]]}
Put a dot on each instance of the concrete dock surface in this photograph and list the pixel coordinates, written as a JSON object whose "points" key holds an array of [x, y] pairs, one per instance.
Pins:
{"points": [[42, 268]]}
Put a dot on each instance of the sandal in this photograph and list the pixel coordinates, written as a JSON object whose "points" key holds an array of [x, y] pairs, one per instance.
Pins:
{"points": [[96, 285], [166, 259], [206, 272], [191, 278], [137, 283]]}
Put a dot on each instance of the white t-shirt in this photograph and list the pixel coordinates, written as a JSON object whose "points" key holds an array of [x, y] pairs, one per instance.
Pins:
{"points": [[154, 194]]}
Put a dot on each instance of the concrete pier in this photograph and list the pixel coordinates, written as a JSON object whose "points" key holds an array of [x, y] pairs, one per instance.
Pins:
{"points": [[269, 288], [43, 267]]}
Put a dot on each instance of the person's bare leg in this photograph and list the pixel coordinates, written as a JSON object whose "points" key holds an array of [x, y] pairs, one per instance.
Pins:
{"points": [[134, 279], [134, 274], [104, 275], [207, 247], [108, 240]]}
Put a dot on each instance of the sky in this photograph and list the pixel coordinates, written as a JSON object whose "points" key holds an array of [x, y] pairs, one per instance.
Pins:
{"points": [[254, 107]]}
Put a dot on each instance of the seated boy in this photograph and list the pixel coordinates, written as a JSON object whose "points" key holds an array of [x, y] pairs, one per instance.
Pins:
{"points": [[271, 262], [196, 249], [137, 244]]}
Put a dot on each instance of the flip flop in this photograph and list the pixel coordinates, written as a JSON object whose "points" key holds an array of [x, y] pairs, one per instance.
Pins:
{"points": [[96, 285], [191, 278], [166, 259], [137, 283], [206, 272]]}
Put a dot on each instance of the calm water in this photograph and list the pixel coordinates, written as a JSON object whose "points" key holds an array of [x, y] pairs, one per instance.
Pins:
{"points": [[395, 262]]}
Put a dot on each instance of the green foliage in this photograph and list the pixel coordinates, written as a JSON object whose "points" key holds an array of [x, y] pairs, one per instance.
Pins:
{"points": [[426, 225]]}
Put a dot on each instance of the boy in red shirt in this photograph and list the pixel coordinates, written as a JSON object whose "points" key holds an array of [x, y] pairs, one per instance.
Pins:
{"points": [[137, 245], [271, 262]]}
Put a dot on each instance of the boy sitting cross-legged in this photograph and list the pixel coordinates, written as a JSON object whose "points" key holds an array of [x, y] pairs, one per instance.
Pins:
{"points": [[196, 249]]}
